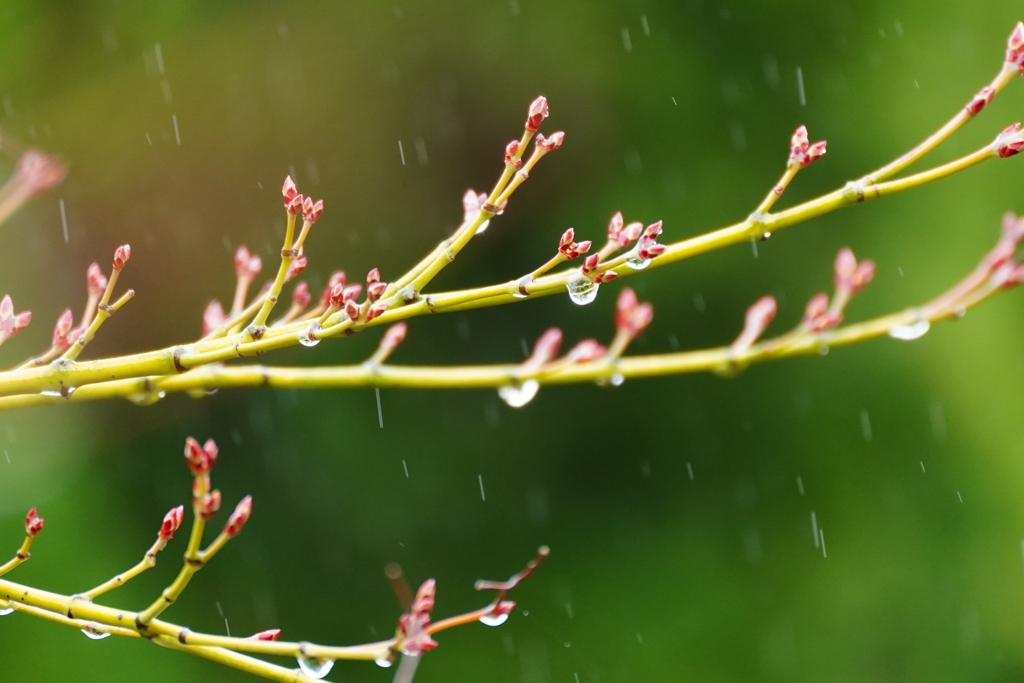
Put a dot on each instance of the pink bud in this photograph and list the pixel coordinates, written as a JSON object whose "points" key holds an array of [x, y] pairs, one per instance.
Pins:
{"points": [[268, 635], [566, 239], [352, 310], [546, 348], [311, 211], [631, 233], [1015, 47], [537, 113], [864, 273], [373, 276], [95, 280], [591, 263], [631, 317], [121, 256], [503, 608], [816, 306], [759, 316], [394, 336], [817, 317], [61, 329], [337, 278], [845, 267], [983, 98], [375, 290], [209, 505], [423, 604], [552, 143], [653, 230], [800, 152], [586, 351], [242, 257], [376, 310], [239, 517], [39, 172], [615, 225], [200, 459], [213, 317], [288, 190], [33, 523], [301, 296], [352, 292], [337, 295], [1010, 141], [511, 150], [606, 276], [11, 324], [296, 267], [294, 206], [172, 520]]}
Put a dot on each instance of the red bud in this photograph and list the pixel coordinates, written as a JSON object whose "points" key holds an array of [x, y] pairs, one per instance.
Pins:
{"points": [[239, 517], [33, 523], [268, 635], [1015, 47], [210, 504], [172, 520], [337, 278], [759, 316], [552, 143], [213, 317], [288, 190], [95, 280], [121, 256], [537, 113]]}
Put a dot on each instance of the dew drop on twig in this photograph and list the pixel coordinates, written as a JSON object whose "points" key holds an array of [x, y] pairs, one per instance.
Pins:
{"points": [[315, 668], [519, 394], [910, 332], [582, 290], [493, 619]]}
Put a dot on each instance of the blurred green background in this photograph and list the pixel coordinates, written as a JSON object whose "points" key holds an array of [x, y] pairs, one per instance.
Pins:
{"points": [[675, 109]]}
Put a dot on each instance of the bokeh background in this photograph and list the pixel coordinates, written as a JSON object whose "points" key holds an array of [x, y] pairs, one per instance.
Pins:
{"points": [[908, 455]]}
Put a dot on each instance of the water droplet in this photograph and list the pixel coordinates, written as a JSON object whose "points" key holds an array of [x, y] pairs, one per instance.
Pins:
{"points": [[637, 263], [582, 290], [960, 312], [309, 339], [483, 226], [519, 295], [146, 398], [5, 608], [315, 668], [493, 619], [617, 380], [50, 392], [91, 632], [822, 349], [519, 394], [910, 332], [384, 662]]}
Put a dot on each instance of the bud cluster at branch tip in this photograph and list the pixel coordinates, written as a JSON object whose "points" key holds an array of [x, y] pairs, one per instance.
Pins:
{"points": [[647, 247], [570, 249], [412, 626], [374, 287], [95, 280], [850, 276], [33, 523], [632, 317], [247, 265], [213, 317], [550, 144], [759, 316], [296, 267], [586, 351], [801, 152], [200, 459], [10, 322], [620, 236], [393, 337], [590, 266]]}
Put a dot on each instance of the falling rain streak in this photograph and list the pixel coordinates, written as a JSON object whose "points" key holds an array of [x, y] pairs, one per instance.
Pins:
{"points": [[177, 135], [64, 220], [800, 86], [380, 414], [480, 478]]}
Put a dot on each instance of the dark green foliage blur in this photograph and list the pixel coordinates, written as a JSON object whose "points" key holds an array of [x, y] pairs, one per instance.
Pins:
{"points": [[655, 576]]}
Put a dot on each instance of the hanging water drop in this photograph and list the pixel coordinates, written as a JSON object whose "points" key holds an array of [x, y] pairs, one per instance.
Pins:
{"points": [[91, 632], [384, 662], [617, 379], [910, 332], [637, 263], [519, 394], [493, 619], [5, 608], [309, 339], [483, 226], [582, 290], [315, 668]]}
